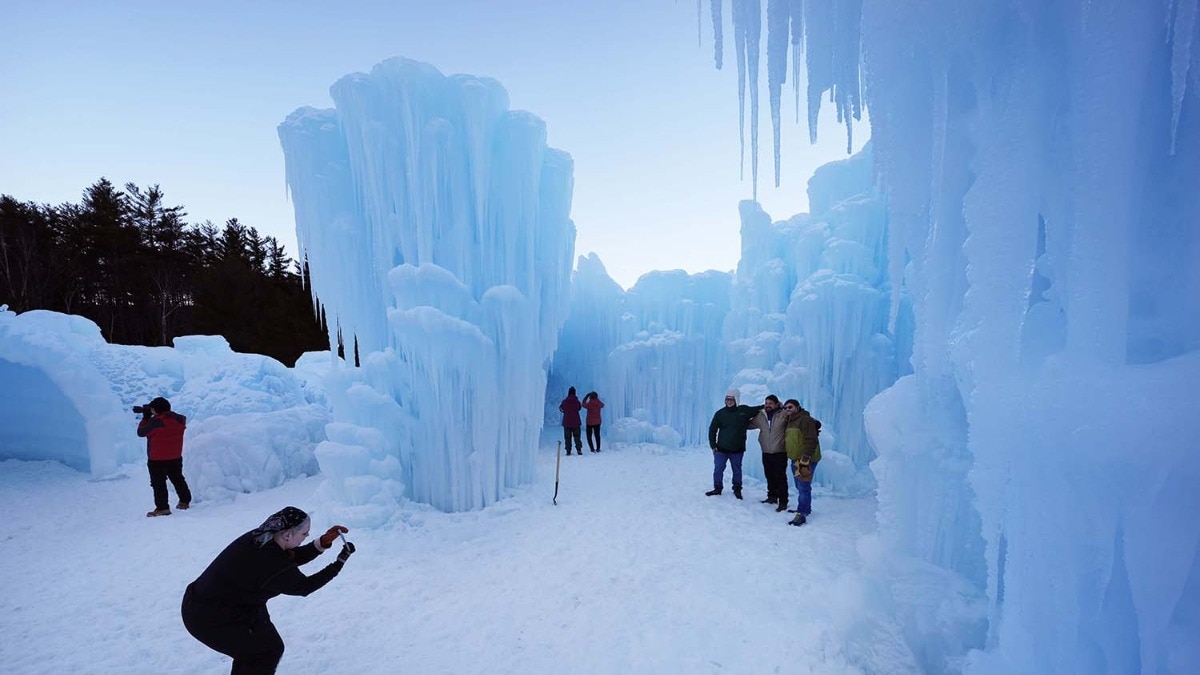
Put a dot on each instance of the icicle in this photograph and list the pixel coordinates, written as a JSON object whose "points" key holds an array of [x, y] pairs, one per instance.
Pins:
{"points": [[778, 15], [718, 47], [1181, 58], [797, 18], [818, 58], [752, 21], [739, 48], [844, 82]]}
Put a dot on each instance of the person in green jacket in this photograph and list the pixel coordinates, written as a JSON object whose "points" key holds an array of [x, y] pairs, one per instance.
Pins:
{"points": [[727, 438], [804, 449]]}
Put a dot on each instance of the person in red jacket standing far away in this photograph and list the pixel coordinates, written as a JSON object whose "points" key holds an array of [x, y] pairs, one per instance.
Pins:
{"points": [[163, 431], [592, 402]]}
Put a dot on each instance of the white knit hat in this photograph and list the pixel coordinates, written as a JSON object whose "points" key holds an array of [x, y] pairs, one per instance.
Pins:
{"points": [[735, 394]]}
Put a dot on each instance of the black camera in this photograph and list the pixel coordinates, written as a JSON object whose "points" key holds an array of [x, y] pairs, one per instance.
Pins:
{"points": [[143, 409]]}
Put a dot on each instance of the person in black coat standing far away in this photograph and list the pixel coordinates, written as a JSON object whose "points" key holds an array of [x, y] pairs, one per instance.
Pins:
{"points": [[226, 606]]}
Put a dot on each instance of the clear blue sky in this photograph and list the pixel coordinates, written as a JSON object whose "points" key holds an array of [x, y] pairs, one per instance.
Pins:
{"points": [[188, 95]]}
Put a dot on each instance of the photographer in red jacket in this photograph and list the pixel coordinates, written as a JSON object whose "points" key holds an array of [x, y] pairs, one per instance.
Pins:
{"points": [[163, 431]]}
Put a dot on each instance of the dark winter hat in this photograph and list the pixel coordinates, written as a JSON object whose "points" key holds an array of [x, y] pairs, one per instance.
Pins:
{"points": [[160, 405], [571, 391], [284, 519]]}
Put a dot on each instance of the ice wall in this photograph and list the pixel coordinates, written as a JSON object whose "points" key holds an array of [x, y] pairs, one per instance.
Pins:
{"points": [[436, 223], [1039, 162], [810, 312], [66, 394], [654, 354]]}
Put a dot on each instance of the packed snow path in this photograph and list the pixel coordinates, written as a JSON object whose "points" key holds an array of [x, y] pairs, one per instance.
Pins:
{"points": [[634, 570]]}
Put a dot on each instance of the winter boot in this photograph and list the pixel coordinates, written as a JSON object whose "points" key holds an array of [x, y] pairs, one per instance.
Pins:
{"points": [[183, 506], [798, 520], [713, 492], [158, 512], [782, 506], [769, 500], [737, 492]]}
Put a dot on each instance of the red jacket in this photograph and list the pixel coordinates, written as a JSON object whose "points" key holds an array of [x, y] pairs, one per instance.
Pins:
{"points": [[570, 410], [593, 406], [164, 435]]}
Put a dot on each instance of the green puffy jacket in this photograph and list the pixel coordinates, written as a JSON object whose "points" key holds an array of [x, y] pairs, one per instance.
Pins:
{"points": [[801, 437], [727, 432]]}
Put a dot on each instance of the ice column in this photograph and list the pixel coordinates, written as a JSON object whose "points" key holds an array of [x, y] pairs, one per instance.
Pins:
{"points": [[436, 222], [809, 315], [654, 354]]}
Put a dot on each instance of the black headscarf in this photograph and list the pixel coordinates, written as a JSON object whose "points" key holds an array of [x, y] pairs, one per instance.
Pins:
{"points": [[284, 519]]}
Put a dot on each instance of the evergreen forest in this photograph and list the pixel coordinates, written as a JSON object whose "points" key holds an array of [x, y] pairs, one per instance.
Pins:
{"points": [[135, 266]]}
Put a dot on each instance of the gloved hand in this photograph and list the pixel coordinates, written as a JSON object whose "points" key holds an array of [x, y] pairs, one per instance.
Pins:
{"points": [[331, 534], [347, 550]]}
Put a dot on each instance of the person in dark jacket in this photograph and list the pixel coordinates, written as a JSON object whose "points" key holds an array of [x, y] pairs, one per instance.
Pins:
{"points": [[727, 438], [592, 402], [226, 606], [163, 431], [570, 408]]}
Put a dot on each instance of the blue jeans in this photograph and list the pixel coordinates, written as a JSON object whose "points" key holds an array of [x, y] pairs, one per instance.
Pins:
{"points": [[734, 458], [804, 489], [804, 502]]}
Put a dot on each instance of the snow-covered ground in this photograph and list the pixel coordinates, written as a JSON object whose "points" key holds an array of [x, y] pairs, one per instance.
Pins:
{"points": [[634, 571]]}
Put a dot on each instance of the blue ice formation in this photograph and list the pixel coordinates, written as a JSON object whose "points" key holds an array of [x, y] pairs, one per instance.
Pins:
{"points": [[1037, 161], [436, 223]]}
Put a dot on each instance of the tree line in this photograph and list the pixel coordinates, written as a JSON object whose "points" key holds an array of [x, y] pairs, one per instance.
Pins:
{"points": [[133, 265]]}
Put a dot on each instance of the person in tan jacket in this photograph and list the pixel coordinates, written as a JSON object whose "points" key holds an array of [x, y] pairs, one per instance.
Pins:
{"points": [[771, 423]]}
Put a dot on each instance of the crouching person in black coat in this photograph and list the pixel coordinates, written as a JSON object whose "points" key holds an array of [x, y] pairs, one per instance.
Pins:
{"points": [[226, 607]]}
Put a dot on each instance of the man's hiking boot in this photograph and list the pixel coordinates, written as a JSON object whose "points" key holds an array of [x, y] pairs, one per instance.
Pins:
{"points": [[183, 506], [798, 520], [737, 492], [158, 512], [782, 506], [713, 492], [769, 500]]}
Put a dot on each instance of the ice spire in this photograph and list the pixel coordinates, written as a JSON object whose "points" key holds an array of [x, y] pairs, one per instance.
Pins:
{"points": [[437, 226], [753, 24], [778, 19], [1182, 33], [718, 47], [739, 48], [797, 19], [747, 28]]}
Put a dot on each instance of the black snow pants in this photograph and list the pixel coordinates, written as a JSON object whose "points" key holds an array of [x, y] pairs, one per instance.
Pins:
{"points": [[593, 430], [572, 433], [775, 471], [251, 639], [160, 471]]}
